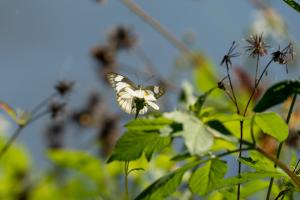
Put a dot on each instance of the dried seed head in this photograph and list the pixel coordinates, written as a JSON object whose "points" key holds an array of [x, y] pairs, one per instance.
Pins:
{"points": [[221, 85], [256, 46], [108, 134], [230, 54], [284, 56], [104, 55], [64, 87], [122, 37], [54, 135], [56, 109]]}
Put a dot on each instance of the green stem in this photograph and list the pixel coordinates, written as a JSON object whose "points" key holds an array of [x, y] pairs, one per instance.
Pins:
{"points": [[17, 133], [240, 155], [126, 172], [281, 144]]}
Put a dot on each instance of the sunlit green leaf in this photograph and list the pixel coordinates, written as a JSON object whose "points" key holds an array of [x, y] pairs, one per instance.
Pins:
{"points": [[142, 124], [228, 182], [208, 177], [293, 4], [272, 124], [197, 136], [197, 106], [277, 94], [79, 161], [165, 185], [133, 144], [258, 162]]}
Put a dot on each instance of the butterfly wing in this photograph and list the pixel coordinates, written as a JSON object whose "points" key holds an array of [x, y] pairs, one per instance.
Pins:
{"points": [[156, 91], [124, 89]]}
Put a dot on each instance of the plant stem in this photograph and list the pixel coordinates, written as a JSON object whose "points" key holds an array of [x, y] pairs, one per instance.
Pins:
{"points": [[156, 25], [281, 144], [240, 155], [17, 133], [280, 164], [232, 91], [256, 85], [126, 166]]}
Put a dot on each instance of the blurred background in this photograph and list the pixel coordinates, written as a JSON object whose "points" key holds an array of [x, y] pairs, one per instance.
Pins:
{"points": [[43, 42]]}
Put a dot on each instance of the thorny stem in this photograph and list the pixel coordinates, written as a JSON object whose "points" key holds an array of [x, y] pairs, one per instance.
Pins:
{"points": [[17, 133], [281, 144]]}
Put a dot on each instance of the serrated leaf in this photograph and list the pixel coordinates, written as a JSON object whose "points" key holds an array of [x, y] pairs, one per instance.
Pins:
{"points": [[206, 178], [133, 144], [293, 4], [272, 124], [165, 185], [277, 94], [197, 136]]}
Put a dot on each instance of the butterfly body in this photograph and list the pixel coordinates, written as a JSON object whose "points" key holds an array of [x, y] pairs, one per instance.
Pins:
{"points": [[131, 98]]}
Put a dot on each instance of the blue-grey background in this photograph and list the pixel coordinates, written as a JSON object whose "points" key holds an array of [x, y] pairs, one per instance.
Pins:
{"points": [[42, 41]]}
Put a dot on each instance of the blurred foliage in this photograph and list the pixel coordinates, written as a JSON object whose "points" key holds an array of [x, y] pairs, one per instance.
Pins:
{"points": [[188, 152]]}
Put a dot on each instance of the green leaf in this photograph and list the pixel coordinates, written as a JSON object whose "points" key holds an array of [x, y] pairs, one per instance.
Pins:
{"points": [[217, 125], [79, 161], [132, 144], [197, 136], [204, 73], [208, 177], [142, 124], [277, 94], [196, 108], [258, 162], [247, 177], [165, 185], [272, 124], [225, 183], [293, 4], [252, 187]]}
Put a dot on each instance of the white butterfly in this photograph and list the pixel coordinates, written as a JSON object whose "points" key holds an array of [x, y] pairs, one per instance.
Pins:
{"points": [[134, 99]]}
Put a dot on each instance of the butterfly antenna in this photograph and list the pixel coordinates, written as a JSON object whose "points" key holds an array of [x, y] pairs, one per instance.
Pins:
{"points": [[137, 78]]}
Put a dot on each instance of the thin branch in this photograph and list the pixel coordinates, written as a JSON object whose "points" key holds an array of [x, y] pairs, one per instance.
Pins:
{"points": [[280, 164], [281, 144], [156, 25], [17, 133], [256, 85]]}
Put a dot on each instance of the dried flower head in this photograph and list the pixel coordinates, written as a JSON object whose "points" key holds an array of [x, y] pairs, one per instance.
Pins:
{"points": [[230, 54], [108, 134], [284, 56], [104, 55], [64, 87], [56, 108], [54, 135], [122, 37], [221, 85], [91, 113], [257, 47]]}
